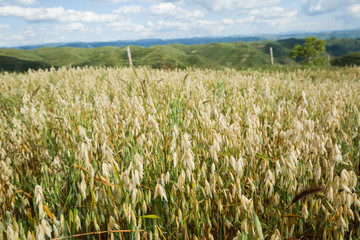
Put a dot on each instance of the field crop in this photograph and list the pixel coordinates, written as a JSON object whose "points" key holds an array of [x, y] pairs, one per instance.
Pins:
{"points": [[191, 154]]}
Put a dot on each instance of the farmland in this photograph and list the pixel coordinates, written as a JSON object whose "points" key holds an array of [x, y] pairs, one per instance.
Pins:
{"points": [[140, 153]]}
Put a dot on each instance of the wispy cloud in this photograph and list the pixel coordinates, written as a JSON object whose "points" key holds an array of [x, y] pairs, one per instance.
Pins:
{"points": [[71, 27], [12, 37], [108, 1], [227, 21], [355, 10], [273, 12], [127, 26], [55, 14], [170, 10], [77, 27], [171, 26], [30, 32], [231, 5], [4, 26], [129, 9], [317, 7], [26, 2]]}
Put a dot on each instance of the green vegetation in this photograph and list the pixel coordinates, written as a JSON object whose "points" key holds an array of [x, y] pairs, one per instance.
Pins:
{"points": [[347, 60], [19, 65], [313, 51], [340, 47], [238, 55]]}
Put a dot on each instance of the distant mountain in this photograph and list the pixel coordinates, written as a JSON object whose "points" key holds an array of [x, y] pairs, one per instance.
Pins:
{"points": [[353, 34], [198, 40], [148, 42], [236, 55]]}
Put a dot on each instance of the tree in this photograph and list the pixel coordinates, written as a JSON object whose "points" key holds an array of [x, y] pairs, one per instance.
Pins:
{"points": [[312, 53]]}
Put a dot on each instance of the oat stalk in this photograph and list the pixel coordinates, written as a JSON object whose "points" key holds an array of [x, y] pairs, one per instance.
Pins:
{"points": [[304, 193]]}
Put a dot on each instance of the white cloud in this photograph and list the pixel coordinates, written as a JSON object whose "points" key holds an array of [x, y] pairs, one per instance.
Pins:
{"points": [[4, 26], [129, 9], [273, 12], [169, 29], [26, 2], [108, 1], [181, 29], [317, 7], [262, 19], [77, 27], [130, 29], [170, 10], [55, 14], [17, 37], [205, 27], [164, 26], [194, 28], [228, 21], [355, 10], [232, 5], [246, 20], [29, 32], [14, 37], [127, 26]]}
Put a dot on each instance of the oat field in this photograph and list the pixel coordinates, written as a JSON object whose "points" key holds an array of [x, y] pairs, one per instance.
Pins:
{"points": [[191, 154]]}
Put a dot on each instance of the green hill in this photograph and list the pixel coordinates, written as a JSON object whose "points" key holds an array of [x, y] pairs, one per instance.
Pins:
{"points": [[347, 60], [214, 55], [19, 65], [339, 47]]}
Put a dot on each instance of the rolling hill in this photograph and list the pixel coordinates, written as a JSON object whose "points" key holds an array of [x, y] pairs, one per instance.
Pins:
{"points": [[213, 55], [347, 60], [13, 64]]}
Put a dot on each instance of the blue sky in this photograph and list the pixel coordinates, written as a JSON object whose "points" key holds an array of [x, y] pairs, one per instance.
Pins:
{"points": [[27, 22]]}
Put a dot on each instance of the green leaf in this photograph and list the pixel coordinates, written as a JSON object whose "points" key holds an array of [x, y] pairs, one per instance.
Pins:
{"points": [[151, 217], [24, 179], [313, 52], [264, 157], [258, 228], [243, 236]]}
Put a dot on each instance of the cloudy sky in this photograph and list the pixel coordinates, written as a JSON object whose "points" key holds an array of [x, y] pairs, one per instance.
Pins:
{"points": [[26, 22]]}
